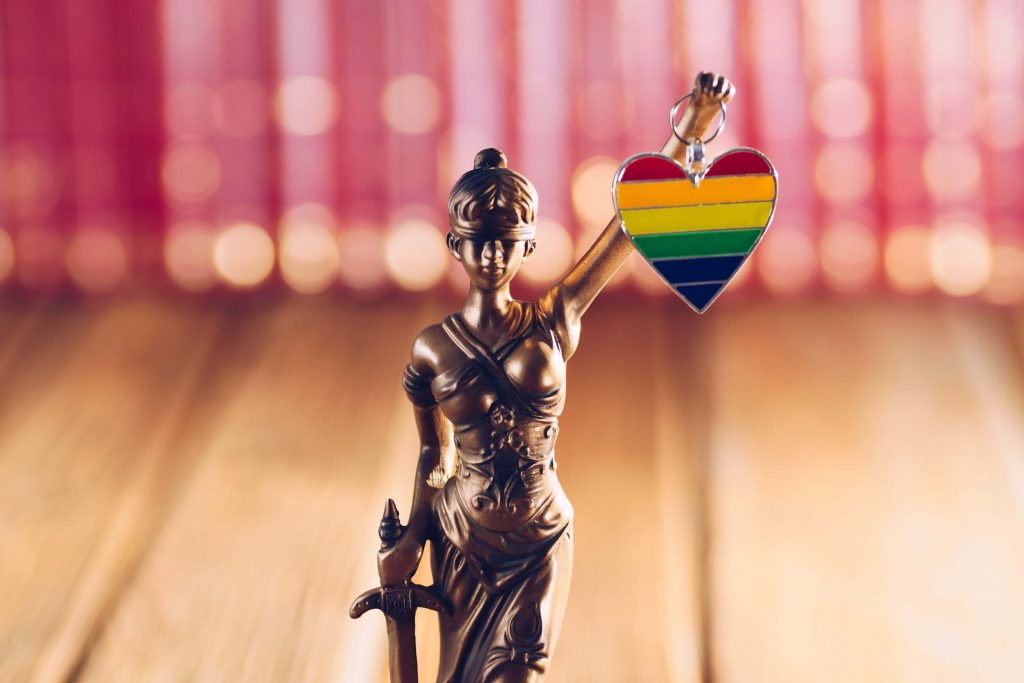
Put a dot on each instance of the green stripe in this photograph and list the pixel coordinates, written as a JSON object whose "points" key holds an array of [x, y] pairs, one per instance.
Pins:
{"points": [[685, 244]]}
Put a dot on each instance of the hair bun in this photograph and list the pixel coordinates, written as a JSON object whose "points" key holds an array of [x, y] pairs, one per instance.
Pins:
{"points": [[490, 158]]}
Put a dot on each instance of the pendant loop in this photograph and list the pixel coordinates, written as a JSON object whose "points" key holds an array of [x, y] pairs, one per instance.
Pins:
{"points": [[675, 110]]}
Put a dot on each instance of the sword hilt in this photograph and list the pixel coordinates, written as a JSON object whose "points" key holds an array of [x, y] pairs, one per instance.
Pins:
{"points": [[404, 598], [400, 601]]}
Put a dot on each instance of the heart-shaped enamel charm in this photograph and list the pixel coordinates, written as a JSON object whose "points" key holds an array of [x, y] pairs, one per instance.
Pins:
{"points": [[696, 230]]}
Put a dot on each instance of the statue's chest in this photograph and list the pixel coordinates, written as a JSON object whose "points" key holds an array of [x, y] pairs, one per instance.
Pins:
{"points": [[535, 368]]}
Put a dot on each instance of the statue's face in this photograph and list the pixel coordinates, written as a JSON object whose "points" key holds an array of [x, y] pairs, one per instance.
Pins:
{"points": [[490, 264]]}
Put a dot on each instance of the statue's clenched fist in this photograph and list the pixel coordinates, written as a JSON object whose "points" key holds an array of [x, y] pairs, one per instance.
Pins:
{"points": [[713, 87], [710, 93]]}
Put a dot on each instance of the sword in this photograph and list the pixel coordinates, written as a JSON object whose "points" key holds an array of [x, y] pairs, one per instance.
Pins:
{"points": [[398, 599]]}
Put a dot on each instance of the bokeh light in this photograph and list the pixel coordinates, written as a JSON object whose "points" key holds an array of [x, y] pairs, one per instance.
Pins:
{"points": [[309, 212], [1006, 286], [849, 255], [97, 260], [307, 105], [6, 256], [362, 264], [553, 254], [241, 108], [844, 172], [952, 169], [787, 260], [411, 103], [191, 172], [249, 135], [951, 105], [415, 254], [960, 257], [309, 256], [907, 259], [841, 107], [188, 255], [591, 190], [243, 255]]}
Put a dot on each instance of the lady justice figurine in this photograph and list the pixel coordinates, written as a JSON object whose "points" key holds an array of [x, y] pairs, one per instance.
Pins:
{"points": [[487, 385]]}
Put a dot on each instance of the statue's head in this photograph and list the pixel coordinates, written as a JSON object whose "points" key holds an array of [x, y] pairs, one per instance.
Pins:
{"points": [[492, 212]]}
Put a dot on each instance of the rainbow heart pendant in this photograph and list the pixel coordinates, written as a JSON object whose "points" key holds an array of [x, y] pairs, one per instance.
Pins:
{"points": [[696, 230]]}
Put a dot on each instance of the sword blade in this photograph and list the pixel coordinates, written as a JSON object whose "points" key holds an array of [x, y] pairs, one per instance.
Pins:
{"points": [[402, 648]]}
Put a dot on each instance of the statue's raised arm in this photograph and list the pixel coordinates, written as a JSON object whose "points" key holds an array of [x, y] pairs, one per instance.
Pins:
{"points": [[567, 300]]}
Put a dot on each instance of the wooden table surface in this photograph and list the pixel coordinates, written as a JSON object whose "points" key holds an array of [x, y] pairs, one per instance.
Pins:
{"points": [[828, 491]]}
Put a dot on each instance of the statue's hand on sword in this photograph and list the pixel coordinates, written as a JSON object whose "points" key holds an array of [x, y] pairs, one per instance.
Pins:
{"points": [[399, 562]]}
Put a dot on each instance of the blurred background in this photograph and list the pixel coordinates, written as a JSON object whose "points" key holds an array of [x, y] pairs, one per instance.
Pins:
{"points": [[221, 226], [251, 145]]}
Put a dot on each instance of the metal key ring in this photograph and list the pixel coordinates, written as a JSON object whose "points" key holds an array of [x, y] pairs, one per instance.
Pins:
{"points": [[675, 110]]}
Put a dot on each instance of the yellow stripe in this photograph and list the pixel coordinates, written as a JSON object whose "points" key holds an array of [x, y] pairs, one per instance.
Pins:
{"points": [[638, 195], [687, 218]]}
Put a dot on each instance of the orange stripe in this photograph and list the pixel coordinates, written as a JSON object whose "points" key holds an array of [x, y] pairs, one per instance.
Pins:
{"points": [[650, 194]]}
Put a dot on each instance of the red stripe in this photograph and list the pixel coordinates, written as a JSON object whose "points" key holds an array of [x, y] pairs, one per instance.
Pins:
{"points": [[654, 167], [739, 162], [651, 168]]}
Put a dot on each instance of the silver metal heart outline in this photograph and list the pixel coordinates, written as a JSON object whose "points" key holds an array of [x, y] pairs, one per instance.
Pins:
{"points": [[695, 180]]}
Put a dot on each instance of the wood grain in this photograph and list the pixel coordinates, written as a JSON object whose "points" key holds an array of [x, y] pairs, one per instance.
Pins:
{"points": [[764, 493], [77, 456], [274, 535], [625, 459], [867, 495], [681, 475]]}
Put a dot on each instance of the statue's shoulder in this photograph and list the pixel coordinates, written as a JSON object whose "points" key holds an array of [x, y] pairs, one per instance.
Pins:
{"points": [[432, 350], [566, 328]]}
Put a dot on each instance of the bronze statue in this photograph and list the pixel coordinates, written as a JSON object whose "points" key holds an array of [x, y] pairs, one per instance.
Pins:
{"points": [[487, 385]]}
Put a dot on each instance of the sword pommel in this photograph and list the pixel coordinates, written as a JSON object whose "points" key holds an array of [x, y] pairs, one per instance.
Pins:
{"points": [[390, 529]]}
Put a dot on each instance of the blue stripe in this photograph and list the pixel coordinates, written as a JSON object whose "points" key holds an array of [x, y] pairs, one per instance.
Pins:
{"points": [[700, 296], [691, 270]]}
